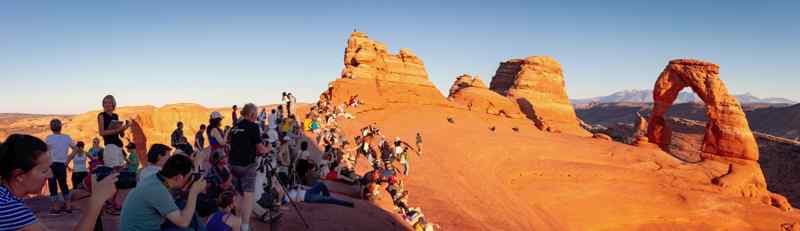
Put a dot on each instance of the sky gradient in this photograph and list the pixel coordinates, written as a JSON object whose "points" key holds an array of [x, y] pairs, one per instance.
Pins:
{"points": [[63, 56]]}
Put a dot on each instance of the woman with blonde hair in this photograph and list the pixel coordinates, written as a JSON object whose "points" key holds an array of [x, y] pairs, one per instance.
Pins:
{"points": [[111, 129]]}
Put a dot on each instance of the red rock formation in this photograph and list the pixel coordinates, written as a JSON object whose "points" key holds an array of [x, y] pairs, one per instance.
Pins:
{"points": [[153, 125], [537, 85], [727, 135], [378, 77], [727, 132], [472, 92], [640, 132]]}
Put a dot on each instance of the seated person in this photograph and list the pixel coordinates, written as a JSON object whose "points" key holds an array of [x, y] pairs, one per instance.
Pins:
{"points": [[224, 219], [150, 202]]}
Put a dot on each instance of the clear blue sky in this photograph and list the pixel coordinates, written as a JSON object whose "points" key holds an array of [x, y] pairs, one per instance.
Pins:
{"points": [[63, 56]]}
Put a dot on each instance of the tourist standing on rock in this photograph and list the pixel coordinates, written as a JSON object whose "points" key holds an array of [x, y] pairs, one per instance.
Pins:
{"points": [[245, 145], [199, 140], [280, 114], [216, 137], [79, 167], [177, 135], [284, 98], [272, 119], [262, 117], [111, 128], [234, 116], [419, 143], [291, 105], [59, 145], [24, 167], [284, 161], [401, 153], [94, 153]]}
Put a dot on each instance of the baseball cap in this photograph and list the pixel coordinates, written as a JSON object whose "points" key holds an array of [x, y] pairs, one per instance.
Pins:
{"points": [[216, 115]]}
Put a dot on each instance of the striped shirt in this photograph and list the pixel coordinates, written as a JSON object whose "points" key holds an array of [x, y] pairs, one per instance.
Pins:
{"points": [[13, 213]]}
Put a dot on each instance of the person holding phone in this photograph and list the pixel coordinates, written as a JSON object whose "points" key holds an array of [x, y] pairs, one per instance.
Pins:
{"points": [[24, 167], [112, 129]]}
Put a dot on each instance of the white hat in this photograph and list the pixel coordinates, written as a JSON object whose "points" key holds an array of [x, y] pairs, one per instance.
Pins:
{"points": [[216, 115]]}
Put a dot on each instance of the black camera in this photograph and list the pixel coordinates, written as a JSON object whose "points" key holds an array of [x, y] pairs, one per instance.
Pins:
{"points": [[125, 180]]}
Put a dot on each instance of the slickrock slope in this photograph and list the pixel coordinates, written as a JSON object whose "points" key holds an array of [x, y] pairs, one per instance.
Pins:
{"points": [[536, 83]]}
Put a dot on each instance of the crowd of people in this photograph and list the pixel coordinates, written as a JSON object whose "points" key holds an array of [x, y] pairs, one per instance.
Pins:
{"points": [[254, 167]]}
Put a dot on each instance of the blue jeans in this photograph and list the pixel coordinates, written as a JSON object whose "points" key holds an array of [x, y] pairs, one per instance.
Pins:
{"points": [[58, 181], [319, 194]]}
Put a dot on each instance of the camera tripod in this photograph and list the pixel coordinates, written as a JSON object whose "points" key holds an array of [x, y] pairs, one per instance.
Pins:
{"points": [[270, 174]]}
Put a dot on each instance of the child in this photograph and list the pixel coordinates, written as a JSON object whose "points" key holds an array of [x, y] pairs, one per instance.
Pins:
{"points": [[132, 159], [94, 153], [224, 220], [79, 169]]}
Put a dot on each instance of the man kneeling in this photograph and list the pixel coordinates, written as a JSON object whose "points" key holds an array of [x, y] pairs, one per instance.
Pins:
{"points": [[150, 202]]}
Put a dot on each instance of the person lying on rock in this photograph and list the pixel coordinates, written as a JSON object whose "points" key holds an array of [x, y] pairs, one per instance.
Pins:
{"points": [[317, 193]]}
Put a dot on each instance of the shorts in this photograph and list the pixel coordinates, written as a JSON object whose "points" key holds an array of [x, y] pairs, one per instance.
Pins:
{"points": [[244, 178], [112, 156]]}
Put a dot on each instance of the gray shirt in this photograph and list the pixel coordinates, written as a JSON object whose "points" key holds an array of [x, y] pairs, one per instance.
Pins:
{"points": [[147, 206]]}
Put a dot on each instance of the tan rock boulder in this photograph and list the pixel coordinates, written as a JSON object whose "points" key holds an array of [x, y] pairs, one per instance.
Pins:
{"points": [[537, 85], [378, 77], [153, 125], [727, 132], [472, 92]]}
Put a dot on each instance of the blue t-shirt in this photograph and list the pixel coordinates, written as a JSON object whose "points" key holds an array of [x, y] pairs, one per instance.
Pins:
{"points": [[147, 206], [13, 213]]}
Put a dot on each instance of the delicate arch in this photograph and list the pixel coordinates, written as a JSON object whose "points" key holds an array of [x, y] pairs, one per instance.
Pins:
{"points": [[727, 132]]}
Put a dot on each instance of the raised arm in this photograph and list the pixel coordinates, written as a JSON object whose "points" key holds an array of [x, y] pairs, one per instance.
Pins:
{"points": [[183, 218]]}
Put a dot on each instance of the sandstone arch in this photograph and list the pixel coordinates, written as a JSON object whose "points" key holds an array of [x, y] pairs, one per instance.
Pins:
{"points": [[727, 132]]}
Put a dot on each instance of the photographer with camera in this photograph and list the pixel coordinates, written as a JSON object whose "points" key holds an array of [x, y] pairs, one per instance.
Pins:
{"points": [[150, 202], [245, 145]]}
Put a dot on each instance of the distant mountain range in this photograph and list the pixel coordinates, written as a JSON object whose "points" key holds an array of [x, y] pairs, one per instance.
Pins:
{"points": [[646, 96]]}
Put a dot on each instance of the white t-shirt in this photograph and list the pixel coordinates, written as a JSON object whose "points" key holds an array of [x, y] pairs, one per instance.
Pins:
{"points": [[305, 155], [58, 144], [272, 136], [273, 120], [79, 162]]}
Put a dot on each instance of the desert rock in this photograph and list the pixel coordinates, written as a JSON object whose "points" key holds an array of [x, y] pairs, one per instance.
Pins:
{"points": [[378, 77], [727, 132], [536, 83], [472, 92]]}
